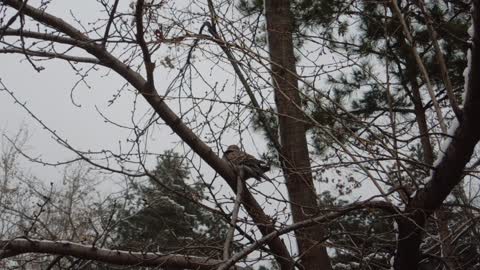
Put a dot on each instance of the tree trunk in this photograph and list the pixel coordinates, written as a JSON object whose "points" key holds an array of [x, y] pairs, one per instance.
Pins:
{"points": [[294, 150], [420, 116], [449, 170]]}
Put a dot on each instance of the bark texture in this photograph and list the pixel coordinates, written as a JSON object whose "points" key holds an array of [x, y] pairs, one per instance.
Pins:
{"points": [[293, 151], [118, 257], [449, 171]]}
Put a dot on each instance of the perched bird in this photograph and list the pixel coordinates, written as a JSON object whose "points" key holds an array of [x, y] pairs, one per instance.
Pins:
{"points": [[247, 165]]}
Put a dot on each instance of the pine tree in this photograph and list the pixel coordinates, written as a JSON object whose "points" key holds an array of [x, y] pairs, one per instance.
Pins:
{"points": [[167, 216], [370, 35]]}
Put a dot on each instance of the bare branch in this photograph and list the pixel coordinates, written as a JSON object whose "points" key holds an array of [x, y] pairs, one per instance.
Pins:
{"points": [[450, 169], [150, 94], [51, 55], [233, 221], [441, 61], [19, 246], [307, 223], [149, 66], [396, 10], [109, 24]]}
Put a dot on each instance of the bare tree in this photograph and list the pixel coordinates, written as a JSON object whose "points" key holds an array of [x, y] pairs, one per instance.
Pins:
{"points": [[411, 147]]}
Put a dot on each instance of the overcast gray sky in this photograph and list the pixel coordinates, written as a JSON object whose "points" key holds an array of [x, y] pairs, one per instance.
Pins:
{"points": [[73, 114]]}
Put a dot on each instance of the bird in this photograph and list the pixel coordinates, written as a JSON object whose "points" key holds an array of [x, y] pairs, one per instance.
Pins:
{"points": [[247, 164]]}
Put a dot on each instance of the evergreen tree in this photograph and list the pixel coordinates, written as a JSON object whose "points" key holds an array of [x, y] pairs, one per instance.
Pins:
{"points": [[369, 36], [168, 217]]}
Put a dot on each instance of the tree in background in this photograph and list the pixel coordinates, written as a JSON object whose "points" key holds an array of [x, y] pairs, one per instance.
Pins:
{"points": [[70, 209], [354, 94], [366, 34], [166, 214]]}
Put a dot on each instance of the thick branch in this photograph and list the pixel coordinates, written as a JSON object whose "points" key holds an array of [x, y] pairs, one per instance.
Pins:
{"points": [[384, 206], [118, 257], [449, 171], [441, 61], [423, 71]]}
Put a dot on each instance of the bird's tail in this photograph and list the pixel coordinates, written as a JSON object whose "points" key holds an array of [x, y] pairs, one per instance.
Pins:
{"points": [[264, 167]]}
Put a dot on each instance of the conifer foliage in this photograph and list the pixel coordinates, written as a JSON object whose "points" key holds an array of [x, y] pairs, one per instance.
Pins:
{"points": [[166, 214]]}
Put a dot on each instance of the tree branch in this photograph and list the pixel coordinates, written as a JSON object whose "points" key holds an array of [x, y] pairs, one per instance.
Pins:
{"points": [[233, 221], [150, 94], [396, 10], [149, 66], [441, 61], [450, 169], [338, 212], [52, 55], [118, 257], [109, 24]]}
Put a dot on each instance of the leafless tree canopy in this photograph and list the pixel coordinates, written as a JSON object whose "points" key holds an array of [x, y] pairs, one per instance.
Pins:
{"points": [[365, 110]]}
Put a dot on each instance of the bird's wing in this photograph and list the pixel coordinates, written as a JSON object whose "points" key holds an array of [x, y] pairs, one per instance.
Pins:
{"points": [[239, 157]]}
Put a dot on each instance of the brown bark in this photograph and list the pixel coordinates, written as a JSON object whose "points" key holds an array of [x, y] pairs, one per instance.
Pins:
{"points": [[294, 151], [440, 59], [449, 171], [118, 257], [420, 117], [412, 73], [323, 218]]}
